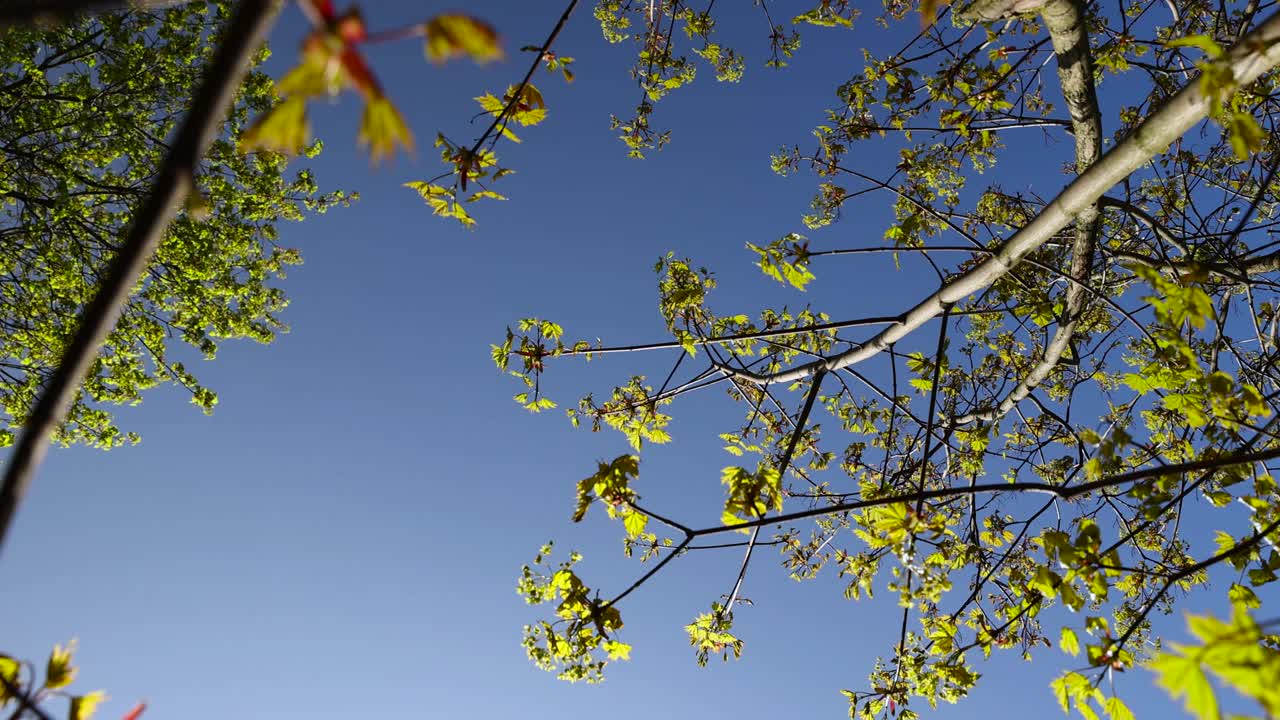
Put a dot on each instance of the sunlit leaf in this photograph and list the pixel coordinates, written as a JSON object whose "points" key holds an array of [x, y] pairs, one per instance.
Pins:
{"points": [[382, 129], [315, 75], [59, 672], [442, 201], [1246, 135], [283, 129], [1068, 642], [455, 35], [1117, 710], [84, 706], [1183, 677], [1203, 42], [9, 669], [929, 11]]}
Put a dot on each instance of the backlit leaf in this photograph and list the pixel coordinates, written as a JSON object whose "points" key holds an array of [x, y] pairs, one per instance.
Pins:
{"points": [[1203, 42], [59, 672], [1068, 642], [1183, 677], [84, 706], [382, 128], [283, 129], [1117, 710], [455, 35]]}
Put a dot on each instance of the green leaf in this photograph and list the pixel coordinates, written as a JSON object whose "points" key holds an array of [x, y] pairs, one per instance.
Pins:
{"points": [[442, 201], [9, 669], [1068, 642], [1203, 42], [59, 672], [1139, 383], [786, 260], [617, 650], [610, 483], [1240, 594], [382, 128], [453, 35], [1117, 710], [283, 129], [1246, 135], [709, 634], [1061, 693], [1183, 677], [635, 523], [751, 494], [84, 706]]}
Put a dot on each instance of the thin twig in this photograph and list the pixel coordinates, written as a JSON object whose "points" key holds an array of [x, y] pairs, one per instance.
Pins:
{"points": [[1189, 571], [24, 703], [1255, 54], [782, 471], [514, 100], [1061, 491], [721, 339]]}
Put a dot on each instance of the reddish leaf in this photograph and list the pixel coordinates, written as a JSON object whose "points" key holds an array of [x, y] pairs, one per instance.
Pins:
{"points": [[351, 27]]}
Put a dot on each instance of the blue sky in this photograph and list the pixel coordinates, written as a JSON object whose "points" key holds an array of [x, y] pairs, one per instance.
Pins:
{"points": [[342, 537]]}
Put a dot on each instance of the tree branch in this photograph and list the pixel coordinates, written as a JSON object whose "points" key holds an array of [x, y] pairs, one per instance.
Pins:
{"points": [[721, 339], [782, 471], [514, 100], [1256, 53], [1147, 219], [1065, 20], [1188, 571], [25, 704], [1063, 492]]}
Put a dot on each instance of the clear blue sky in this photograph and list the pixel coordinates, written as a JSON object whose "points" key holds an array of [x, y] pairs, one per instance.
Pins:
{"points": [[341, 539]]}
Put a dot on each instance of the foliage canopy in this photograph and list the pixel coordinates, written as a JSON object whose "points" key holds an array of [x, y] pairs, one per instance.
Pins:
{"points": [[1087, 393], [87, 106]]}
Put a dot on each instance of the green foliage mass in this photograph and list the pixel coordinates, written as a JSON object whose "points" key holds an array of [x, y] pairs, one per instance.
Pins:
{"points": [[88, 106]]}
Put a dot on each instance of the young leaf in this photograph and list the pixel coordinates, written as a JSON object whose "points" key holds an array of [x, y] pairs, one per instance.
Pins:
{"points": [[316, 75], [1068, 642], [382, 128], [1117, 710], [1204, 42], [454, 35], [929, 11], [1183, 677], [84, 706], [283, 129], [1245, 134], [443, 201], [59, 672], [9, 669]]}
